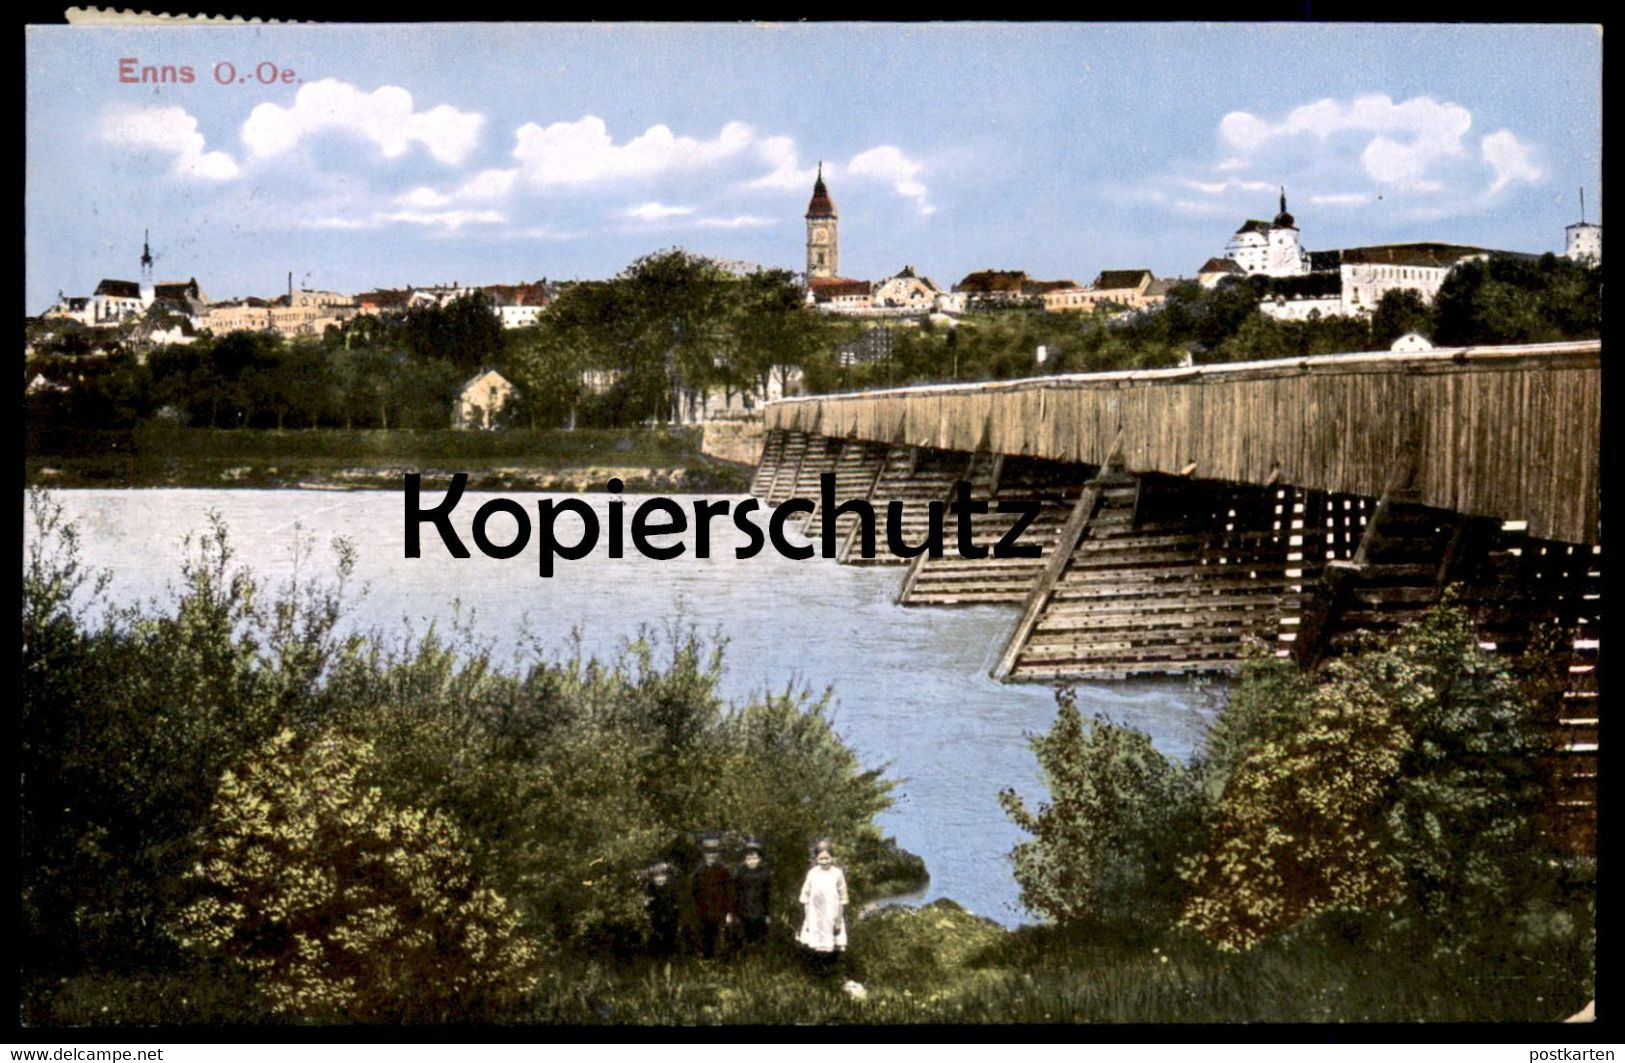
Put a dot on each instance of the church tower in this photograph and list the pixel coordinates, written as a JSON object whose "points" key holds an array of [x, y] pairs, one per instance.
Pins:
{"points": [[148, 292], [823, 238]]}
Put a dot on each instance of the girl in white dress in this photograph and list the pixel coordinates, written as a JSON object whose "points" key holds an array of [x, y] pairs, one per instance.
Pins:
{"points": [[823, 895]]}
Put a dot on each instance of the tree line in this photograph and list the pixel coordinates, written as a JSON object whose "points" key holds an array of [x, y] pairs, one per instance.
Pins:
{"points": [[646, 345]]}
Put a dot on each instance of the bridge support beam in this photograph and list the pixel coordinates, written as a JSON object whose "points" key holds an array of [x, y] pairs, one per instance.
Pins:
{"points": [[955, 580], [1156, 576]]}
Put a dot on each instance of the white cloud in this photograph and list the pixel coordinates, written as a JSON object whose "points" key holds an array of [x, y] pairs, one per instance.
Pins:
{"points": [[741, 221], [1217, 188], [171, 131], [1403, 141], [484, 187], [1511, 160], [656, 212], [787, 174], [889, 164], [422, 198], [1421, 156], [445, 219], [385, 116], [583, 152]]}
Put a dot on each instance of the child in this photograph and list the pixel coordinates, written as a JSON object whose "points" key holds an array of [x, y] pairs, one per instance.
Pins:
{"points": [[823, 931], [753, 891], [713, 896], [663, 912]]}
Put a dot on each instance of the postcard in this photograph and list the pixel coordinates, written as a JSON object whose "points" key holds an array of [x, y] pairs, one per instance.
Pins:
{"points": [[717, 524]]}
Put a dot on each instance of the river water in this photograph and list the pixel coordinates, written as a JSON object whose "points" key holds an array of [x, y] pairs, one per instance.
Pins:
{"points": [[911, 686]]}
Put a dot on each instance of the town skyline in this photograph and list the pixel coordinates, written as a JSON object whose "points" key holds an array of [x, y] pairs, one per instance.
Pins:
{"points": [[1092, 148]]}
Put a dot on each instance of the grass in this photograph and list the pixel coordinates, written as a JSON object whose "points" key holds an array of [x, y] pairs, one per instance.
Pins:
{"points": [[942, 965], [646, 459]]}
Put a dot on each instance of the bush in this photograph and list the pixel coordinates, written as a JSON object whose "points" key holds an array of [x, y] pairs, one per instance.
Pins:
{"points": [[344, 905], [1120, 818], [153, 735], [1406, 776]]}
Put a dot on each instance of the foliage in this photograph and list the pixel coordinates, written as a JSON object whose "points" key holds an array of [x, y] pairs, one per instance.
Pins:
{"points": [[1406, 777], [1508, 299], [344, 905], [240, 731], [1120, 818]]}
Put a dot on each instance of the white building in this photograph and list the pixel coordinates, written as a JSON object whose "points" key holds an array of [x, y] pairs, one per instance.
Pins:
{"points": [[513, 316], [1269, 247], [1369, 273], [1583, 243], [1281, 308], [1411, 343]]}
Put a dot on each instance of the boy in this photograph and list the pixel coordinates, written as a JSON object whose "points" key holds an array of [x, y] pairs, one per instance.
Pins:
{"points": [[753, 893], [713, 896]]}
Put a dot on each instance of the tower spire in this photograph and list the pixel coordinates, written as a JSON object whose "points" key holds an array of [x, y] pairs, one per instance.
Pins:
{"points": [[1283, 199], [1582, 205], [146, 255]]}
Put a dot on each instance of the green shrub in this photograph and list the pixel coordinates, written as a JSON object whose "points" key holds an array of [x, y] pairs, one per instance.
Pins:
{"points": [[1120, 818], [1406, 776], [346, 906]]}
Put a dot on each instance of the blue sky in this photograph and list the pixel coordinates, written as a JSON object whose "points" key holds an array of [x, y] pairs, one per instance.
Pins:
{"points": [[484, 154]]}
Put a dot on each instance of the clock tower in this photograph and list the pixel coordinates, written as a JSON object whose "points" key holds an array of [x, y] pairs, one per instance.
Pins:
{"points": [[823, 239]]}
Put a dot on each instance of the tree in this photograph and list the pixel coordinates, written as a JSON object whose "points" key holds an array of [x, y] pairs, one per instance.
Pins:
{"points": [[1399, 311], [677, 307], [464, 332], [346, 906], [1506, 299], [1403, 777], [1107, 845]]}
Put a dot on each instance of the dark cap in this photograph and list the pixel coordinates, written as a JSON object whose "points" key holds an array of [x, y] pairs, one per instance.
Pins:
{"points": [[710, 845]]}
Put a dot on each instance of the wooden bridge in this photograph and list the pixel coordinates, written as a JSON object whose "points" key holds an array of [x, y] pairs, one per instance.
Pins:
{"points": [[1186, 513]]}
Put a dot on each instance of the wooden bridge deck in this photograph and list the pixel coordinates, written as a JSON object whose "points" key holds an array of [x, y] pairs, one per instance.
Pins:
{"points": [[1506, 432]]}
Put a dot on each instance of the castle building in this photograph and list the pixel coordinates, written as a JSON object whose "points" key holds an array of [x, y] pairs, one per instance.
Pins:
{"points": [[823, 233], [1269, 247]]}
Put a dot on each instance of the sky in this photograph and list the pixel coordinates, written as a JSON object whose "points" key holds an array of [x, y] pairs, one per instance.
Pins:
{"points": [[387, 156]]}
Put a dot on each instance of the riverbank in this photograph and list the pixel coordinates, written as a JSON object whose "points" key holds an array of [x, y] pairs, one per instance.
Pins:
{"points": [[943, 964], [648, 460]]}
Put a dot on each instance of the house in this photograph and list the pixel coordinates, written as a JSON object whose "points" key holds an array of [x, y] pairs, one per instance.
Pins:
{"points": [[1410, 343], [115, 301], [1131, 289], [241, 315], [1215, 270], [383, 300], [480, 400], [994, 288], [518, 305], [71, 308], [438, 295], [839, 294], [907, 290]]}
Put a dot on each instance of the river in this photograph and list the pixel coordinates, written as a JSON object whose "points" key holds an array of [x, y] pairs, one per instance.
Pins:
{"points": [[911, 686]]}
